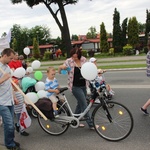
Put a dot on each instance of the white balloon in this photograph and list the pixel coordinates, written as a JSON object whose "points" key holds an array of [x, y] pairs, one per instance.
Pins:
{"points": [[89, 71], [39, 86], [19, 72], [41, 93], [29, 69], [36, 64], [32, 96], [26, 51]]}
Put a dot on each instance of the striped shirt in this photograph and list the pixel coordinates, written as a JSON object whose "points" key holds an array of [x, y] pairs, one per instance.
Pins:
{"points": [[148, 64], [6, 92], [20, 98], [51, 84]]}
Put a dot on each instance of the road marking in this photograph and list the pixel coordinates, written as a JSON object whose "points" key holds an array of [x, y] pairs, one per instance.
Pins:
{"points": [[125, 86], [130, 86]]}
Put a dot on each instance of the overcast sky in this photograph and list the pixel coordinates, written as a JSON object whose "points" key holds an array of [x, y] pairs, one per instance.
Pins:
{"points": [[81, 16]]}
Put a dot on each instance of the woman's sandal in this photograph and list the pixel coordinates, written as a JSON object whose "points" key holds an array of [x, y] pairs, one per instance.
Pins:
{"points": [[81, 125]]}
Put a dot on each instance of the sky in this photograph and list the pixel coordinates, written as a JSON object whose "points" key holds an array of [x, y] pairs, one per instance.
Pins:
{"points": [[81, 16]]}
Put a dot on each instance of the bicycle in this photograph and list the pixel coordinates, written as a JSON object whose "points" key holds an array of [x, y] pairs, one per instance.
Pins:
{"points": [[112, 120]]}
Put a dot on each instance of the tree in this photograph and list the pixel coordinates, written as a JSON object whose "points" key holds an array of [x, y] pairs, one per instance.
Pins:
{"points": [[14, 45], [62, 24], [41, 33], [141, 27], [35, 51], [74, 37], [124, 31], [133, 32], [103, 39], [24, 36], [4, 34], [92, 33], [147, 30], [16, 32], [117, 44]]}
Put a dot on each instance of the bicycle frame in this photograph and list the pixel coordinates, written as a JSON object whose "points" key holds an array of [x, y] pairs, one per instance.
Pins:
{"points": [[112, 120], [73, 117]]}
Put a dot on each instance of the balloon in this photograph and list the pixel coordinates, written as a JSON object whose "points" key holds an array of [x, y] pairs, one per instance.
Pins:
{"points": [[36, 64], [32, 96], [19, 72], [64, 72], [89, 71], [39, 86], [41, 93], [68, 69], [26, 51], [29, 69], [38, 75]]}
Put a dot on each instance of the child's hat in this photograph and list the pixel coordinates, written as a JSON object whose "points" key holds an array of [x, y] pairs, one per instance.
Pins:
{"points": [[92, 60]]}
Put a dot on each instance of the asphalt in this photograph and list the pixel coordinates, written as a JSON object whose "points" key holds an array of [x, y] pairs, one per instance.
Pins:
{"points": [[102, 62]]}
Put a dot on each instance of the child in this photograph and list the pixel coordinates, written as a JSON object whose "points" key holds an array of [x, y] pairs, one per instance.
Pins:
{"points": [[101, 80], [18, 109], [51, 86]]}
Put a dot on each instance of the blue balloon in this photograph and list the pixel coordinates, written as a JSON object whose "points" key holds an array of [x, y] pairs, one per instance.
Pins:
{"points": [[68, 69], [64, 72]]}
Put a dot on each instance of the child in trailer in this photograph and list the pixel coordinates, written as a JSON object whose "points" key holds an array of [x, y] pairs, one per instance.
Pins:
{"points": [[51, 86]]}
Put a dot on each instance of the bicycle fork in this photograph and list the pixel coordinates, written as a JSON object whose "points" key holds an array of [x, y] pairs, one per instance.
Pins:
{"points": [[105, 107]]}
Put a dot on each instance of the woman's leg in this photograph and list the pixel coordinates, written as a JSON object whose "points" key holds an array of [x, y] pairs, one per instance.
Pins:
{"points": [[80, 95]]}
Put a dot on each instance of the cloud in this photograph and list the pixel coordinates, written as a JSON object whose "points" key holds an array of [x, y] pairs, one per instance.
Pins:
{"points": [[81, 16]]}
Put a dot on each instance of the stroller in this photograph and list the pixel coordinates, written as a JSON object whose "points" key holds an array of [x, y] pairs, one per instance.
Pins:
{"points": [[27, 85]]}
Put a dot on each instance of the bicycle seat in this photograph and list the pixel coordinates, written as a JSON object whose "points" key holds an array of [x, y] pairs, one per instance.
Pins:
{"points": [[62, 89]]}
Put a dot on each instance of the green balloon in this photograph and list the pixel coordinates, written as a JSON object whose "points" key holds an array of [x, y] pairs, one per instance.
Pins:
{"points": [[38, 75]]}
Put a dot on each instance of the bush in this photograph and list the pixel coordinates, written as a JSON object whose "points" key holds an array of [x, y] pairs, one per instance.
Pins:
{"points": [[111, 51], [145, 50], [84, 53], [47, 55], [128, 50]]}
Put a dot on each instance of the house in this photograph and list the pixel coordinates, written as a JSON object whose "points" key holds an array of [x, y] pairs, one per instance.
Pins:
{"points": [[43, 48]]}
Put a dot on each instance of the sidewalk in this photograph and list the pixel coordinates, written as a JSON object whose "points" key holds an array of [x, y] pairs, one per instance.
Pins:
{"points": [[125, 60]]}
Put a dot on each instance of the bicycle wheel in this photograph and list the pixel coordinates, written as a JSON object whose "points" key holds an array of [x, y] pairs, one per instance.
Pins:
{"points": [[114, 122], [56, 126], [34, 113]]}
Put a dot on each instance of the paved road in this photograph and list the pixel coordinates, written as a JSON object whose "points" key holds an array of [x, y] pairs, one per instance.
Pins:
{"points": [[133, 93]]}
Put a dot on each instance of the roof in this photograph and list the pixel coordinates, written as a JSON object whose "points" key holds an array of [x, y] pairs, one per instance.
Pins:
{"points": [[43, 46]]}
